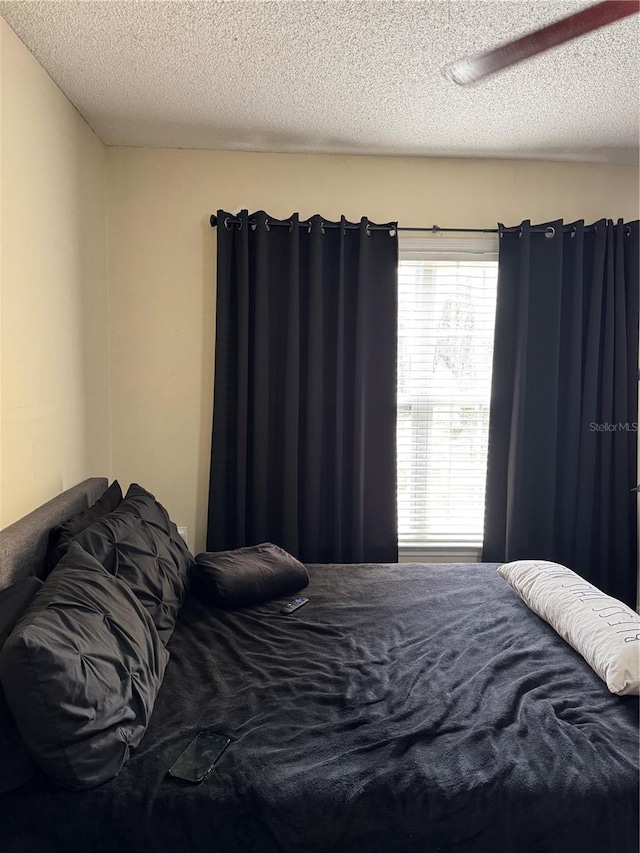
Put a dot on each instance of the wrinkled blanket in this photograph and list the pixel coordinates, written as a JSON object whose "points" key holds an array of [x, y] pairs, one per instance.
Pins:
{"points": [[404, 708]]}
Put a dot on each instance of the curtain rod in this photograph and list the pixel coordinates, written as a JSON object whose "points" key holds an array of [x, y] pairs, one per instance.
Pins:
{"points": [[435, 229]]}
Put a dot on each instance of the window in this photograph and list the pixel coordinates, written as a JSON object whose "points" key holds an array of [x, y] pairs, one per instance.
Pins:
{"points": [[446, 317]]}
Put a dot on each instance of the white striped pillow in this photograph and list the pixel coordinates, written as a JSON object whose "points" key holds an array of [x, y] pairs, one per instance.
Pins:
{"points": [[602, 629]]}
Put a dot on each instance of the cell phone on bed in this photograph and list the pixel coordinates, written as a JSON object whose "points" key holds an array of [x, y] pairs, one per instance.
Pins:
{"points": [[199, 757]]}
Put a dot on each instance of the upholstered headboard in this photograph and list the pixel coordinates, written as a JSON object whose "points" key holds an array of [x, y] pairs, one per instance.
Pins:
{"points": [[23, 545]]}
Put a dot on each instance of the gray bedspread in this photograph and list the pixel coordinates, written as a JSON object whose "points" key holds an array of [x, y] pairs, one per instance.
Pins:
{"points": [[404, 708]]}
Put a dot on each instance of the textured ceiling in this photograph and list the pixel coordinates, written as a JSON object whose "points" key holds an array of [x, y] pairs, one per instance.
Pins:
{"points": [[343, 76]]}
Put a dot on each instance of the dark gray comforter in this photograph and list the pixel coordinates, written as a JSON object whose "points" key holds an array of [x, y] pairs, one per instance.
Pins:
{"points": [[405, 708]]}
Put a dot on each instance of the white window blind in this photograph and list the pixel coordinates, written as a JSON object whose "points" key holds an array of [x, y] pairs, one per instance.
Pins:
{"points": [[446, 318]]}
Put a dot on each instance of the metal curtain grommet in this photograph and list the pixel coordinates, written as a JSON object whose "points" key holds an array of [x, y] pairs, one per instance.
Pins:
{"points": [[226, 223], [550, 232]]}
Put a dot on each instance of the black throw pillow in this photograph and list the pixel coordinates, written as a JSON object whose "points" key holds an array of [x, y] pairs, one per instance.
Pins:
{"points": [[16, 765], [63, 534], [139, 544], [14, 600], [247, 576], [81, 671]]}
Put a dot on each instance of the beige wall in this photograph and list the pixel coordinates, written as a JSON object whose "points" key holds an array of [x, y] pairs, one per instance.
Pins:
{"points": [[54, 386], [162, 268]]}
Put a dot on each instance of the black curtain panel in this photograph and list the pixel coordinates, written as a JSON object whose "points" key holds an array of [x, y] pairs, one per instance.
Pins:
{"points": [[564, 404], [304, 423]]}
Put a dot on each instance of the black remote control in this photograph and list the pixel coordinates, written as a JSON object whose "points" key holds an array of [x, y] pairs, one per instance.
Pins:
{"points": [[293, 605]]}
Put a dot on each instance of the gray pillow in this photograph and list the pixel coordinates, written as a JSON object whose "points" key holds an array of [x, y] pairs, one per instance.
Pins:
{"points": [[81, 671], [139, 544], [16, 765], [61, 536], [14, 600]]}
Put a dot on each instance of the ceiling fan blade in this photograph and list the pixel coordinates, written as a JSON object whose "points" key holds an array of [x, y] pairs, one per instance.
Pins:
{"points": [[474, 68]]}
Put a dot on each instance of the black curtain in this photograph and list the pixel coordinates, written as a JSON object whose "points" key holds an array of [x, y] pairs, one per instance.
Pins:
{"points": [[304, 424], [564, 404]]}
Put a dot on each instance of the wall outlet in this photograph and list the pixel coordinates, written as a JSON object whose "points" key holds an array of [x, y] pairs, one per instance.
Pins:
{"points": [[183, 532]]}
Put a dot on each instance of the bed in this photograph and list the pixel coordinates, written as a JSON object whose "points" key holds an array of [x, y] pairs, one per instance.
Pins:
{"points": [[404, 708]]}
